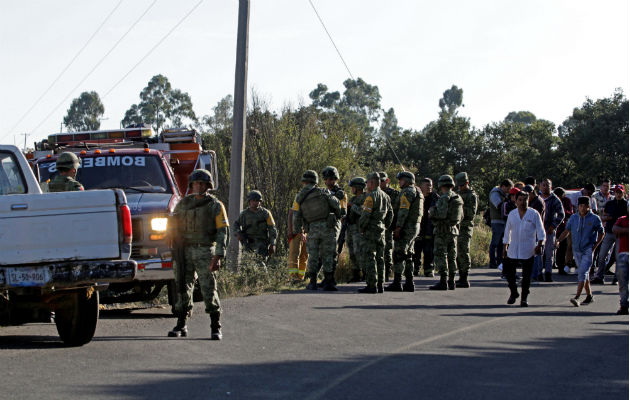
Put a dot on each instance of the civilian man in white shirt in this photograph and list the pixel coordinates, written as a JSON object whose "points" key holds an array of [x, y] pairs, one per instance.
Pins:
{"points": [[524, 236]]}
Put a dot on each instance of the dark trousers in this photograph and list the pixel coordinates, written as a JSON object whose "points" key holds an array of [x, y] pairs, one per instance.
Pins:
{"points": [[509, 270], [423, 245]]}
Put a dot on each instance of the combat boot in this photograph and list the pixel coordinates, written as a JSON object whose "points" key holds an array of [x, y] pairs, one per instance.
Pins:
{"points": [[441, 285], [462, 282], [356, 276], [395, 286], [367, 289], [329, 282], [409, 286], [451, 282], [180, 330], [312, 285], [215, 326]]}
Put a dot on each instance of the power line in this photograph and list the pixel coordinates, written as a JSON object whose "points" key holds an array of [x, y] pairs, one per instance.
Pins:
{"points": [[331, 39], [66, 67], [96, 65], [351, 76], [153, 48]]}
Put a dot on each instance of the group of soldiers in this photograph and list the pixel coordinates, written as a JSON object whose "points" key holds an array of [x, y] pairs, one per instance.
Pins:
{"points": [[382, 227]]}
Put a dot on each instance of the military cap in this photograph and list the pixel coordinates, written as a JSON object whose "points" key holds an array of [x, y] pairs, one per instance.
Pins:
{"points": [[383, 176], [407, 175], [374, 176], [461, 178], [330, 172], [446, 180], [254, 195], [200, 175], [67, 160], [358, 181], [310, 176]]}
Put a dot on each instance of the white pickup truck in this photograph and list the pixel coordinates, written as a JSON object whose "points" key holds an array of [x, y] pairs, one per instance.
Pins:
{"points": [[58, 249]]}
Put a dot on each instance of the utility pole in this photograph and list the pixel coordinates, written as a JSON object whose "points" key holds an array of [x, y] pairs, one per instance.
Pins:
{"points": [[237, 160], [25, 136]]}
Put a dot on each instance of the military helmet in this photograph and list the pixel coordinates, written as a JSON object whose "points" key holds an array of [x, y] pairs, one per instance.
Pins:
{"points": [[446, 180], [358, 181], [383, 175], [407, 175], [200, 175], [68, 160], [310, 176], [330, 172], [254, 195], [374, 176], [461, 178]]}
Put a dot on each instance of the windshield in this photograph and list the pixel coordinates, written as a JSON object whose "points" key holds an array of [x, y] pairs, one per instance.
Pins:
{"points": [[140, 173]]}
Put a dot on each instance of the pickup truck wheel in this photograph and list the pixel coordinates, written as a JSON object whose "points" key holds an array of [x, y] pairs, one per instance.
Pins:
{"points": [[76, 320]]}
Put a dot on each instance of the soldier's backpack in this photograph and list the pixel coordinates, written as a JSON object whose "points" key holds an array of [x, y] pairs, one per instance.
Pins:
{"points": [[314, 206]]}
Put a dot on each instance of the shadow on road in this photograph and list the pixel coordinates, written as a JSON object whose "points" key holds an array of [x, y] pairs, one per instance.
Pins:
{"points": [[528, 370], [22, 342]]}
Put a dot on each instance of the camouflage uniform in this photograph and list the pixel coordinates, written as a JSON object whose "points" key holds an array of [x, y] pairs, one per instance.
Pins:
{"points": [[337, 192], [446, 215], [408, 210], [62, 183], [372, 234], [201, 226], [354, 240], [258, 230], [389, 233], [471, 201], [318, 213]]}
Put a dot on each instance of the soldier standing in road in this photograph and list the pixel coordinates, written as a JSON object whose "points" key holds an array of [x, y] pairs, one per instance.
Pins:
{"points": [[389, 233], [200, 234], [408, 210], [256, 229], [331, 177], [372, 233], [423, 244], [354, 240], [465, 228], [446, 215], [67, 165], [317, 212]]}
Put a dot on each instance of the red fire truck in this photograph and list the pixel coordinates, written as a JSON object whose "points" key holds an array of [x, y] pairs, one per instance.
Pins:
{"points": [[153, 171]]}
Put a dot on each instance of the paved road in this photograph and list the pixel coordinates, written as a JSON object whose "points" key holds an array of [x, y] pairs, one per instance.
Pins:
{"points": [[466, 344]]}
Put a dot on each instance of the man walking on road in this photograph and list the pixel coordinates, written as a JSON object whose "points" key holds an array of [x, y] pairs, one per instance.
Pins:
{"points": [[446, 216], [586, 232], [523, 238], [554, 214], [465, 228], [200, 235], [613, 210], [496, 197]]}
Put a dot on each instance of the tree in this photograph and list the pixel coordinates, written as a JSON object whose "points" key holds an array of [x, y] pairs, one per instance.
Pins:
{"points": [[161, 105], [595, 140], [523, 117], [451, 100], [84, 113]]}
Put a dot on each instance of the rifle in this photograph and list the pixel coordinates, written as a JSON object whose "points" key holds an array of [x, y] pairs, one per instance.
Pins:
{"points": [[342, 235]]}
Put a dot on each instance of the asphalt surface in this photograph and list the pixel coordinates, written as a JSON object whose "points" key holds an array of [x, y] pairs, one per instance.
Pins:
{"points": [[462, 344]]}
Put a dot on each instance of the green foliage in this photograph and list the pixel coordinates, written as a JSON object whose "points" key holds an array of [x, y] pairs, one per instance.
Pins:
{"points": [[84, 113], [524, 117], [451, 100], [161, 105], [595, 140]]}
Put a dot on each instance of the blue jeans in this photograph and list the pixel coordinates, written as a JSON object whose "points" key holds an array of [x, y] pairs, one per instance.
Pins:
{"points": [[622, 276], [496, 244], [550, 251], [537, 267], [583, 260]]}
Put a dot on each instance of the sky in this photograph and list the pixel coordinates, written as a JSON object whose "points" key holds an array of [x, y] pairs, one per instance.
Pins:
{"points": [[546, 57]]}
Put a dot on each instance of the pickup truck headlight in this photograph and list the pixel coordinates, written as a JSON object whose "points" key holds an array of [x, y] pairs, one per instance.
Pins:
{"points": [[159, 224]]}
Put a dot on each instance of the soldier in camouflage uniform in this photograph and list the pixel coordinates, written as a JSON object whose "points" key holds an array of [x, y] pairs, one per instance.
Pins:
{"points": [[354, 240], [200, 234], [331, 177], [67, 165], [315, 210], [256, 229], [446, 216], [408, 210], [374, 213], [465, 228], [389, 233]]}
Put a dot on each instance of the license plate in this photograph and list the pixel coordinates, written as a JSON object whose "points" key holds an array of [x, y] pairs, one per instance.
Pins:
{"points": [[27, 276]]}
